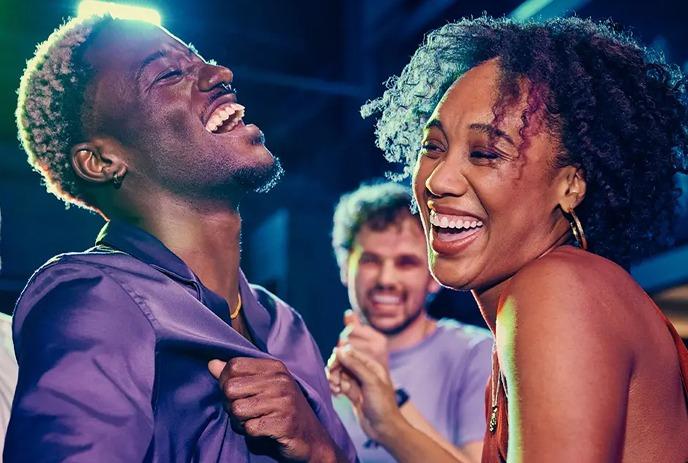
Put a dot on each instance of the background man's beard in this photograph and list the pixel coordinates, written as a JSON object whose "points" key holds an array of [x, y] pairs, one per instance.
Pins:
{"points": [[401, 327], [260, 179]]}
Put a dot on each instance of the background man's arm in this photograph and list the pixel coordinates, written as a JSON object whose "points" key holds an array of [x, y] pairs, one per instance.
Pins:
{"points": [[469, 393]]}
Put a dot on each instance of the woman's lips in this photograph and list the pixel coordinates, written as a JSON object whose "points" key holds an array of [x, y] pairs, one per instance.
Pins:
{"points": [[443, 241]]}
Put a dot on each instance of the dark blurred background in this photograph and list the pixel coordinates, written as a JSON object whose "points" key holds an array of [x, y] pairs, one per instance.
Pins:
{"points": [[303, 68]]}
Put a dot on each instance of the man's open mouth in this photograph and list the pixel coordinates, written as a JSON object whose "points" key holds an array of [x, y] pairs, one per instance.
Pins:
{"points": [[386, 298], [225, 118]]}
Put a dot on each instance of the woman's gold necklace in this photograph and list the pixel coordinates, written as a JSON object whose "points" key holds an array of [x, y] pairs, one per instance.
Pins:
{"points": [[495, 383]]}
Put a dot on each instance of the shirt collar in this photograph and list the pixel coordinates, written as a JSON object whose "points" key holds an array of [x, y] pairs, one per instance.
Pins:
{"points": [[145, 247], [150, 250]]}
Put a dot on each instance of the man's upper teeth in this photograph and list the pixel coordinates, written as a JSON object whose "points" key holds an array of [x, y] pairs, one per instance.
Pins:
{"points": [[386, 299], [222, 113], [453, 221]]}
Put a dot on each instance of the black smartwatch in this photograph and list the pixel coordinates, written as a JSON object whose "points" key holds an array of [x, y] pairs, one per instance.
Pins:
{"points": [[401, 397]]}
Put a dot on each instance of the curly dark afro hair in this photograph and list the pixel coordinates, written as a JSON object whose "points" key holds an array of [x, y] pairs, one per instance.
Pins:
{"points": [[617, 107]]}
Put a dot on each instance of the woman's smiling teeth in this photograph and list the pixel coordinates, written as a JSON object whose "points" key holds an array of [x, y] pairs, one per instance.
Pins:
{"points": [[453, 228], [225, 117], [454, 221]]}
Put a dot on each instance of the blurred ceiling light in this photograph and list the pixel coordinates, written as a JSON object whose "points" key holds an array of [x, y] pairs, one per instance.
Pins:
{"points": [[546, 9], [118, 10]]}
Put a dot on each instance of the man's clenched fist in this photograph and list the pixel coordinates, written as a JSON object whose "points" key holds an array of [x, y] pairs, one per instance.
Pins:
{"points": [[266, 402]]}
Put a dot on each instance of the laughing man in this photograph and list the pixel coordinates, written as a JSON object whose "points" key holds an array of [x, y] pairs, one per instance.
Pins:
{"points": [[439, 367], [152, 346]]}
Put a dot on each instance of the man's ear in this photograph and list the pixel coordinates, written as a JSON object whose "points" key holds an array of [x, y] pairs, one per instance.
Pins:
{"points": [[98, 162], [572, 188], [344, 272]]}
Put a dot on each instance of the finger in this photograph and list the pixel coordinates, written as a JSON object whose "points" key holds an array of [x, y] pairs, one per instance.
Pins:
{"points": [[251, 407], [351, 318], [216, 366], [265, 426], [363, 345], [371, 363], [332, 362], [269, 385], [371, 347], [361, 362], [248, 366], [366, 333], [356, 367], [334, 389], [370, 335], [225, 371], [344, 334], [351, 389], [333, 372]]}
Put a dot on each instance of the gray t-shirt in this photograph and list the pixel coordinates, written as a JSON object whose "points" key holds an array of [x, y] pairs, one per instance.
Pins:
{"points": [[445, 376]]}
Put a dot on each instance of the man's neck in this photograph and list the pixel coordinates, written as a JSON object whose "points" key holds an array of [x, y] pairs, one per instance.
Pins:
{"points": [[206, 239], [419, 329]]}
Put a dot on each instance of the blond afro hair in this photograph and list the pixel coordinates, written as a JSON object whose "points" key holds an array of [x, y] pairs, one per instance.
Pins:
{"points": [[50, 109]]}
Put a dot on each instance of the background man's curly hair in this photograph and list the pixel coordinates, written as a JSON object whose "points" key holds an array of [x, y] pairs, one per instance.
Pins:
{"points": [[618, 108], [377, 205], [51, 114]]}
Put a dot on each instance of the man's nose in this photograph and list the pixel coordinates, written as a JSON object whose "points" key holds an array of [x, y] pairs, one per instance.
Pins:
{"points": [[211, 76], [387, 277]]}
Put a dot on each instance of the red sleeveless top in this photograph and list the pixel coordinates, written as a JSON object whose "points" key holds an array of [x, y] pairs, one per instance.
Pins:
{"points": [[495, 444]]}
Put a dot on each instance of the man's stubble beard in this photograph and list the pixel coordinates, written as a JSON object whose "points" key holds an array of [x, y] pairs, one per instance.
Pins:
{"points": [[259, 179], [398, 329]]}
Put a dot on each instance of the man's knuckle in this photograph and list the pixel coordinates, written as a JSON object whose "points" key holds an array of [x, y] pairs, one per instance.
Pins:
{"points": [[234, 365], [255, 427], [278, 366]]}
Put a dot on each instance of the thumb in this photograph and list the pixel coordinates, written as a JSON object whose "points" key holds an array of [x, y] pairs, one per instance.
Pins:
{"points": [[216, 367], [360, 366], [350, 388], [351, 318]]}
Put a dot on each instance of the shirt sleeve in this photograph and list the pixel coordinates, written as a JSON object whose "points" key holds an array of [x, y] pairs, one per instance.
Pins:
{"points": [[86, 366], [8, 374], [470, 405]]}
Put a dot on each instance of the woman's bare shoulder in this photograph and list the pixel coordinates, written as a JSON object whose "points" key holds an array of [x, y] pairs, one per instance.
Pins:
{"points": [[569, 272], [572, 290]]}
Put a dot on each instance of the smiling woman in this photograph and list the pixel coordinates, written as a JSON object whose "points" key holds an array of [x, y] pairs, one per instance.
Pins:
{"points": [[528, 143]]}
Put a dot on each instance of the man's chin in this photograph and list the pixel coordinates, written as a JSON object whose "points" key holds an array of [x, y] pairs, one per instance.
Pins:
{"points": [[391, 327], [388, 328], [260, 178]]}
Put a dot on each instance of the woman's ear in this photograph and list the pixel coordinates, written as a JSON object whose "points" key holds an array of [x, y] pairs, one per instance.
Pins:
{"points": [[573, 188]]}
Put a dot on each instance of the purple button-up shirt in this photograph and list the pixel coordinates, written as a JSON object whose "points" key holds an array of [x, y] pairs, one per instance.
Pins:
{"points": [[113, 346]]}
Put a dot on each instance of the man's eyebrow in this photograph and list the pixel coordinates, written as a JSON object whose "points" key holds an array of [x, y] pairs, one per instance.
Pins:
{"points": [[492, 131], [148, 60]]}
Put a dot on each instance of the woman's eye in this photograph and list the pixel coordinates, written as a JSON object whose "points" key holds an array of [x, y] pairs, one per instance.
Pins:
{"points": [[429, 147]]}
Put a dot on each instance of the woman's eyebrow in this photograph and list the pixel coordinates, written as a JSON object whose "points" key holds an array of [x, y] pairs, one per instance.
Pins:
{"points": [[492, 131]]}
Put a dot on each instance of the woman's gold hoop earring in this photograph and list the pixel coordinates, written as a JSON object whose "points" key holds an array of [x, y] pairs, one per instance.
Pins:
{"points": [[577, 229]]}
